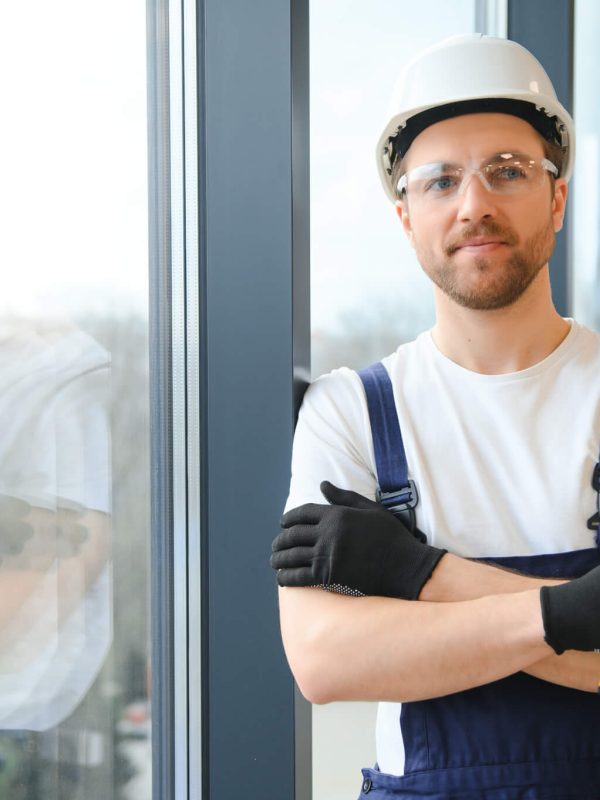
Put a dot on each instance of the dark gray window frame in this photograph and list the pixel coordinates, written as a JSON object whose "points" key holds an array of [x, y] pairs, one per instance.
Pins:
{"points": [[254, 271], [230, 333]]}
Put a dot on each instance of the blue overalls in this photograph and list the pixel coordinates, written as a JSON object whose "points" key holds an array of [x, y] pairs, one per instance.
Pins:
{"points": [[519, 738]]}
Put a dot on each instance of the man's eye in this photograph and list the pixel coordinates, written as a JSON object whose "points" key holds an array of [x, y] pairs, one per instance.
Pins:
{"points": [[509, 173], [443, 183]]}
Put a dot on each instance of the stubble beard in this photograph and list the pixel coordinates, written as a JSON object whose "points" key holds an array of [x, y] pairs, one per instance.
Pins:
{"points": [[508, 285]]}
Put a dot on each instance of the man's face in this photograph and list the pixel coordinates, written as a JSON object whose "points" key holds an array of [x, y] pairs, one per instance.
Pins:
{"points": [[482, 249]]}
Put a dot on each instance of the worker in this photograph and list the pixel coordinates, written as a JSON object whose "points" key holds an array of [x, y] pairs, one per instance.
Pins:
{"points": [[467, 602]]}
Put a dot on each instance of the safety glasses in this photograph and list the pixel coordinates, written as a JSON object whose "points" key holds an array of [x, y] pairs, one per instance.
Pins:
{"points": [[502, 173]]}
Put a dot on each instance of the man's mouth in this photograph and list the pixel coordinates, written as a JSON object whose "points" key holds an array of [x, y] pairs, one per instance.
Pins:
{"points": [[480, 244]]}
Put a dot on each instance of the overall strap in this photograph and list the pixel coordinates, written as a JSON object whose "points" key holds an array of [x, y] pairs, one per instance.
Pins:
{"points": [[395, 491]]}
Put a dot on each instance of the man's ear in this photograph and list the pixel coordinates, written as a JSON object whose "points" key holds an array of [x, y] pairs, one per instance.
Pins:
{"points": [[559, 202], [403, 215]]}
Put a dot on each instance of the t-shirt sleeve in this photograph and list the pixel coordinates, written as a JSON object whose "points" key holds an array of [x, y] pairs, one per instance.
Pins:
{"points": [[332, 440]]}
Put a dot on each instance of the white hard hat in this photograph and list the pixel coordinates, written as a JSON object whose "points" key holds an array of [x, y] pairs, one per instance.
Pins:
{"points": [[466, 74]]}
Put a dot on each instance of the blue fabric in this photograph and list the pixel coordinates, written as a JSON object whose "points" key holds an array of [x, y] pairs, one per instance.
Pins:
{"points": [[390, 458], [542, 780]]}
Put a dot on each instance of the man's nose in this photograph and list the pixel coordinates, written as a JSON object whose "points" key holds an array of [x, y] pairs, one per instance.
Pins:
{"points": [[474, 200]]}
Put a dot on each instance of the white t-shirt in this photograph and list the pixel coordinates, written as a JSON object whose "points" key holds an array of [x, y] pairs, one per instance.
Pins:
{"points": [[54, 455], [502, 463]]}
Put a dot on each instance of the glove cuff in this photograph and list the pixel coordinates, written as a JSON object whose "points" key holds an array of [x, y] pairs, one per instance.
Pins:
{"points": [[434, 556], [549, 613], [409, 581]]}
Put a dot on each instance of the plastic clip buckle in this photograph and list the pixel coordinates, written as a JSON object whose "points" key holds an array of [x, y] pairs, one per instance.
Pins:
{"points": [[596, 478], [408, 497], [593, 522]]}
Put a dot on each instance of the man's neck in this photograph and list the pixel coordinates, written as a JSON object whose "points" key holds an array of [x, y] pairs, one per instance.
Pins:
{"points": [[504, 340]]}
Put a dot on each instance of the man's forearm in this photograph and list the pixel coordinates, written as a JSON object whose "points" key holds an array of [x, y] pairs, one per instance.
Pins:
{"points": [[374, 648], [457, 579]]}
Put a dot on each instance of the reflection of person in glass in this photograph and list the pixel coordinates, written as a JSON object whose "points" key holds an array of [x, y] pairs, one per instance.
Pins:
{"points": [[54, 522], [498, 406]]}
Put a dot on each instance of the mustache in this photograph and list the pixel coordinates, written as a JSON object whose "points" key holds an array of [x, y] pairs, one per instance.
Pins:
{"points": [[484, 229]]}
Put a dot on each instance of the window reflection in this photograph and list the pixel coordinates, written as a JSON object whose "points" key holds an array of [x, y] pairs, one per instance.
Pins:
{"points": [[74, 708], [55, 533], [74, 472], [55, 528]]}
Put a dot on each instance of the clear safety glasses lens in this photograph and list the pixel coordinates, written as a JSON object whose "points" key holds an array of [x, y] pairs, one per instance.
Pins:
{"points": [[504, 173]]}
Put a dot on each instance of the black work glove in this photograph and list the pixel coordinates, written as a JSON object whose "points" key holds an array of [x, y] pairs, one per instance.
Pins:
{"points": [[571, 613], [353, 546]]}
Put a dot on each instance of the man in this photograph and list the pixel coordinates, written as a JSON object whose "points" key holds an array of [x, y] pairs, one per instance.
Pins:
{"points": [[493, 662]]}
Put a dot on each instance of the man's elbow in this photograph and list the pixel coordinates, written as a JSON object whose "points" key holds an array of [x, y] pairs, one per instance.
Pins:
{"points": [[310, 624], [314, 680], [313, 665]]}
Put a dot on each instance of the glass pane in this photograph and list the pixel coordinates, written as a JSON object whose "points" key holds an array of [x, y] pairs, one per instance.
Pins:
{"points": [[368, 294], [74, 498], [586, 201]]}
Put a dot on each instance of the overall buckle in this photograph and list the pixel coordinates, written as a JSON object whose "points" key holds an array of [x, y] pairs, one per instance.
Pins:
{"points": [[593, 522], [403, 499]]}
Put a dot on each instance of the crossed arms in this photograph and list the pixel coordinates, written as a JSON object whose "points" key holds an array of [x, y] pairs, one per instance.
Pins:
{"points": [[473, 624]]}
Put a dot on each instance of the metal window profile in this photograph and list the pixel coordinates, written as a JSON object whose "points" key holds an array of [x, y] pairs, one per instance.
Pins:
{"points": [[161, 548], [253, 264], [230, 342], [178, 372], [175, 412], [491, 17], [186, 399], [300, 86], [193, 334]]}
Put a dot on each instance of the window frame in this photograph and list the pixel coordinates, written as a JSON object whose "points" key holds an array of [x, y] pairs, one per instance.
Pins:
{"points": [[229, 302]]}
